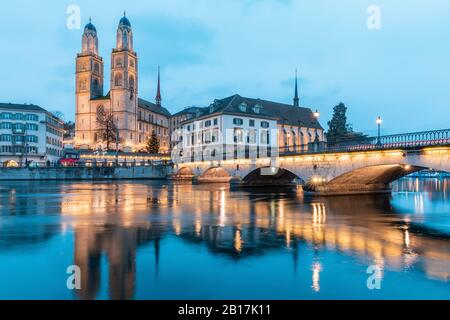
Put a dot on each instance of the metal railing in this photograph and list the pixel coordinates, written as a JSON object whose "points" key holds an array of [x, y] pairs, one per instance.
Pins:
{"points": [[395, 141]]}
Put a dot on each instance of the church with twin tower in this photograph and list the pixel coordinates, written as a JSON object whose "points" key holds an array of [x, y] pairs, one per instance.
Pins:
{"points": [[135, 118]]}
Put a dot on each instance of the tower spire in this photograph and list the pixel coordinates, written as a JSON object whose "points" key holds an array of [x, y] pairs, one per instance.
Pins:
{"points": [[296, 99], [158, 92]]}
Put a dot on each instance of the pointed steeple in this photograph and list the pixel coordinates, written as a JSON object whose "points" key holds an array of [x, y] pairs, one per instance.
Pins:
{"points": [[158, 92], [296, 99]]}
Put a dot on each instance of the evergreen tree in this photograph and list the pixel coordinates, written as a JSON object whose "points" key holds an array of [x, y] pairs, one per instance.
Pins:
{"points": [[152, 143], [341, 132]]}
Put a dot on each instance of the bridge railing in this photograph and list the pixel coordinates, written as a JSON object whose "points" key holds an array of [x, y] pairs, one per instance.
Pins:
{"points": [[395, 141]]}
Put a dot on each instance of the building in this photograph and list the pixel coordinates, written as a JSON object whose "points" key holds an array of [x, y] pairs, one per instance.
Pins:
{"points": [[176, 121], [230, 128], [134, 118], [29, 133], [240, 126]]}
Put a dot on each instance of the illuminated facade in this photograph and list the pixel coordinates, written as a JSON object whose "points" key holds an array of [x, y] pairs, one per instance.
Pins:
{"points": [[135, 118], [29, 133], [238, 126]]}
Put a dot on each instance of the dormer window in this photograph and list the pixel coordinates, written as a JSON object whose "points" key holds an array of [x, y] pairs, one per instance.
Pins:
{"points": [[243, 107], [257, 108]]}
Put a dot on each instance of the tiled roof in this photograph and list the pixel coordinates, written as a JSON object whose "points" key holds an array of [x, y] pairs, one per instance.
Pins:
{"points": [[189, 110], [23, 107], [153, 107], [283, 113]]}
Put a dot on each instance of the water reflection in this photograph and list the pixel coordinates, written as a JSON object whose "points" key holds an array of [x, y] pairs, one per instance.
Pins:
{"points": [[110, 222]]}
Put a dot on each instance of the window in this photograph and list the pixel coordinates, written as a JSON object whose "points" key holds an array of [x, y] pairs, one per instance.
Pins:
{"points": [[118, 80], [118, 63], [251, 138], [5, 137], [32, 127], [96, 67], [265, 137], [6, 125], [83, 85], [238, 121], [132, 63], [215, 135], [215, 121], [264, 124], [243, 107], [131, 83], [207, 123], [238, 135], [33, 139], [257, 108], [251, 123]]}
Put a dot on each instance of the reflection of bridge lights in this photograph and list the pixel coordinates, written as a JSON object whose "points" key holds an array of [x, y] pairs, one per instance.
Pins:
{"points": [[288, 236], [407, 167], [198, 228], [319, 213], [238, 242], [317, 268], [407, 240], [418, 203], [222, 203]]}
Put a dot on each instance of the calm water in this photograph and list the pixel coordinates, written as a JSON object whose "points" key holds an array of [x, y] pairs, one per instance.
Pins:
{"points": [[157, 240]]}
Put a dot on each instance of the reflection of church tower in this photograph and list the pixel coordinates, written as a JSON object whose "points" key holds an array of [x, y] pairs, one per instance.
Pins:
{"points": [[89, 81], [124, 80], [88, 258]]}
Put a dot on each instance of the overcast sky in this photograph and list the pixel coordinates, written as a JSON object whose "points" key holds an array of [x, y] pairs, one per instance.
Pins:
{"points": [[211, 49]]}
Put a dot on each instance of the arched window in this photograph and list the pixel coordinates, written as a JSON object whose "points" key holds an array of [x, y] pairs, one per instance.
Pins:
{"points": [[132, 89], [118, 80], [83, 85]]}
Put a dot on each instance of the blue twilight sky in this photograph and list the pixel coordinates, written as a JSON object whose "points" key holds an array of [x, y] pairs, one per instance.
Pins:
{"points": [[212, 49]]}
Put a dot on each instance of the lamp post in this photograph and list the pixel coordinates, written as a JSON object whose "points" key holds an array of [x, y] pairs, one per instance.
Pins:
{"points": [[316, 114], [379, 122]]}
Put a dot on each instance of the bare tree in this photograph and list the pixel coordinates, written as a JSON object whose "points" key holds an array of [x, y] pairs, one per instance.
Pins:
{"points": [[108, 131]]}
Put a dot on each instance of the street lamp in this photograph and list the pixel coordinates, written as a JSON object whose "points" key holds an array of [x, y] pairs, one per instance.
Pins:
{"points": [[379, 122], [316, 114]]}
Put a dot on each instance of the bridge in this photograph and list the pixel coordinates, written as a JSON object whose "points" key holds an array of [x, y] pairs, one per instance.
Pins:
{"points": [[351, 169]]}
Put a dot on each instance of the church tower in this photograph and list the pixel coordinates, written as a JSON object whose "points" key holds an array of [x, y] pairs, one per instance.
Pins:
{"points": [[89, 82], [124, 84]]}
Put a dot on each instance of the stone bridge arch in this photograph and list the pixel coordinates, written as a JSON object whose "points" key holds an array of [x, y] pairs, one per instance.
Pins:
{"points": [[271, 176], [368, 179], [216, 174]]}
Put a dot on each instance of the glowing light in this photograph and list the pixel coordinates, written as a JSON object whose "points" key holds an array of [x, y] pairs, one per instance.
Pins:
{"points": [[238, 242], [317, 268], [379, 120]]}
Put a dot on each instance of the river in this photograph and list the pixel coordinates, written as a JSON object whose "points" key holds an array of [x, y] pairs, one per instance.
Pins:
{"points": [[163, 240]]}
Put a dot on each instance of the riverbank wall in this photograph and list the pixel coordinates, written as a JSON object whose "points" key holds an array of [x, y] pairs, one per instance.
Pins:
{"points": [[86, 173]]}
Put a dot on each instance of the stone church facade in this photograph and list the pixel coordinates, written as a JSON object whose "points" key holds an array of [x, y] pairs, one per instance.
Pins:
{"points": [[134, 117]]}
